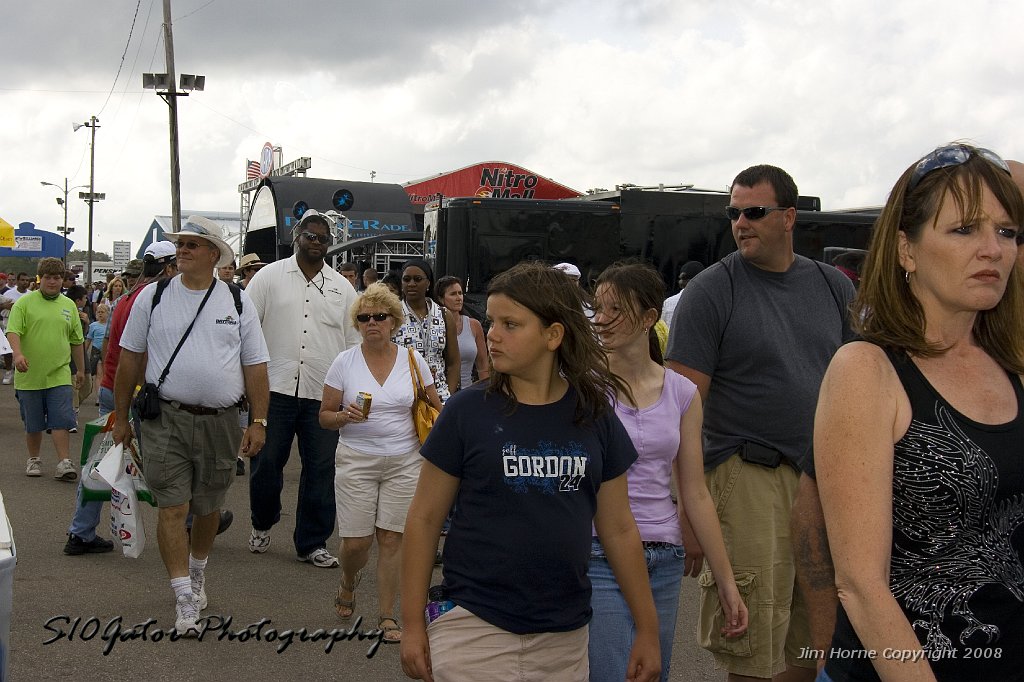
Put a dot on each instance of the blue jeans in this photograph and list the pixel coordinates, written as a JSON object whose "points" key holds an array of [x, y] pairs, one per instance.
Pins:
{"points": [[288, 417], [612, 629], [87, 514], [823, 677]]}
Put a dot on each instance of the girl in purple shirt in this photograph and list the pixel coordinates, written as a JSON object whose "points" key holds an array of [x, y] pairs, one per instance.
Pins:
{"points": [[663, 420]]}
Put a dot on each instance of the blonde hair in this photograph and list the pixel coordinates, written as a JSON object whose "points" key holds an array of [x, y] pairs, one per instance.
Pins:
{"points": [[378, 295]]}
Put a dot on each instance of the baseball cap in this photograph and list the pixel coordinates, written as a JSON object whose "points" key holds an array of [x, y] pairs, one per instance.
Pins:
{"points": [[569, 269], [134, 268], [161, 249]]}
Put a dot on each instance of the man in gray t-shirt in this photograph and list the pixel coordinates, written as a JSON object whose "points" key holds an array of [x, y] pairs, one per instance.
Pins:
{"points": [[756, 332]]}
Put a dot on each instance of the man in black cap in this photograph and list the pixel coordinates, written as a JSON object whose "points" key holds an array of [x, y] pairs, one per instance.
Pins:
{"points": [[686, 273]]}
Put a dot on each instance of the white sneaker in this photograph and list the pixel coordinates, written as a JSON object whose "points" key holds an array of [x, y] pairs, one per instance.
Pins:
{"points": [[187, 610], [8, 377], [320, 558], [34, 467], [198, 579], [259, 541], [65, 471]]}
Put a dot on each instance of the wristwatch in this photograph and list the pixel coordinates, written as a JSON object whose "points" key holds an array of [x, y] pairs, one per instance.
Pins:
{"points": [[261, 422]]}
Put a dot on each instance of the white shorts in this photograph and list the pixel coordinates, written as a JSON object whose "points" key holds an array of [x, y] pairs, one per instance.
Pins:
{"points": [[373, 491]]}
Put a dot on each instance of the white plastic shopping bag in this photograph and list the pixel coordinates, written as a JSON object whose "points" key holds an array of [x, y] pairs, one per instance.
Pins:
{"points": [[125, 516]]}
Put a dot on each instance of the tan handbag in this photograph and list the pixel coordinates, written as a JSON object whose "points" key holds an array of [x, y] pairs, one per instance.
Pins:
{"points": [[423, 413]]}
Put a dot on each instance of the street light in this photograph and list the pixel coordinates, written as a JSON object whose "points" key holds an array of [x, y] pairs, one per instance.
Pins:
{"points": [[90, 197], [163, 83], [64, 229]]}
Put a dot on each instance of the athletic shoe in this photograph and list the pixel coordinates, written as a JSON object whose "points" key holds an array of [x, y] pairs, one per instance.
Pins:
{"points": [[320, 558], [66, 471], [199, 586], [34, 467], [77, 546], [226, 517], [259, 541], [8, 377], [187, 610]]}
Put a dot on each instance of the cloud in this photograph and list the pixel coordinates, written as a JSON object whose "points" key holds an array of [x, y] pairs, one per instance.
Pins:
{"points": [[843, 95]]}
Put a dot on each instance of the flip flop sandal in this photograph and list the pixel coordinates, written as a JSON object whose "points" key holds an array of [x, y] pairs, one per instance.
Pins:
{"points": [[347, 604], [394, 630]]}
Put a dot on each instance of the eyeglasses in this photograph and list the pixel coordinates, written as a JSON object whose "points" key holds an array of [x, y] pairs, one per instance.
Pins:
{"points": [[190, 246], [751, 212], [366, 317], [413, 278], [952, 155], [313, 237]]}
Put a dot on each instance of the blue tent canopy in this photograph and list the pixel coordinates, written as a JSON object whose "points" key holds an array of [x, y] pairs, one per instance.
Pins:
{"points": [[33, 243]]}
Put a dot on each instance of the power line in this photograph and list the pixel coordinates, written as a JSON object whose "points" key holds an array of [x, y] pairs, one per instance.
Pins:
{"points": [[123, 55]]}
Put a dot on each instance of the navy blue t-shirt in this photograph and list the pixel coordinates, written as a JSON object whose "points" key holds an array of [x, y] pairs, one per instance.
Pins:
{"points": [[519, 544]]}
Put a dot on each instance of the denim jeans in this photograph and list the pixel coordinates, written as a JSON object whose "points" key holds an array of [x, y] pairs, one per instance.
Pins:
{"points": [[612, 630], [288, 417], [87, 514]]}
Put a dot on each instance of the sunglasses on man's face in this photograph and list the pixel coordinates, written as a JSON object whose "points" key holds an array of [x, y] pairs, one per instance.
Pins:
{"points": [[313, 237], [366, 317], [750, 212]]}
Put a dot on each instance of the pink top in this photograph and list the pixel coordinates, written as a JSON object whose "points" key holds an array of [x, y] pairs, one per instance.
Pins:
{"points": [[654, 431]]}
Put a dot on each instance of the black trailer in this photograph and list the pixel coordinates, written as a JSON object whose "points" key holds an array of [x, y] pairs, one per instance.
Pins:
{"points": [[479, 238]]}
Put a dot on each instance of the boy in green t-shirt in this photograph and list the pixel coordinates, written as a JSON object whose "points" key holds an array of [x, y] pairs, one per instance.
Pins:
{"points": [[44, 331]]}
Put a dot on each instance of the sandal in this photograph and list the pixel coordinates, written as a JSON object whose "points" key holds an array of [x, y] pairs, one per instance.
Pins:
{"points": [[394, 630], [346, 608]]}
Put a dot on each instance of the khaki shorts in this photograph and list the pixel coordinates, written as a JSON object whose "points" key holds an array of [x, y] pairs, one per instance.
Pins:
{"points": [[373, 491], [465, 647], [190, 458], [753, 504]]}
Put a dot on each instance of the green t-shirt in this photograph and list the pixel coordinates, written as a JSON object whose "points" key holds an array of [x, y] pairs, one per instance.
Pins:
{"points": [[47, 329]]}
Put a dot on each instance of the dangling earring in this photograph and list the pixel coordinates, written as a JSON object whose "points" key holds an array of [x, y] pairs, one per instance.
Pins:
{"points": [[906, 276], [646, 330]]}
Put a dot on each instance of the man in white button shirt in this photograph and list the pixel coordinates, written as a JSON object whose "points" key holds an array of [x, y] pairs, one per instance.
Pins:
{"points": [[303, 305]]}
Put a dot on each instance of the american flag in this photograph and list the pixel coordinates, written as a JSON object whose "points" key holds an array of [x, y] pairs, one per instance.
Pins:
{"points": [[252, 170]]}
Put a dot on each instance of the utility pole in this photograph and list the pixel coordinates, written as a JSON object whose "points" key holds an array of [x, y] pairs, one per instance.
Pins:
{"points": [[92, 196], [172, 104], [87, 280]]}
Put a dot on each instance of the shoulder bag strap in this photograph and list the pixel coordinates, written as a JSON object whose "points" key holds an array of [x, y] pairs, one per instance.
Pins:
{"points": [[163, 375], [417, 379]]}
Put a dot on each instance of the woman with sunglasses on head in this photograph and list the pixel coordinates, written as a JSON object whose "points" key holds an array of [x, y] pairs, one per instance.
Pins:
{"points": [[429, 327], [470, 333], [662, 414], [918, 434], [368, 397]]}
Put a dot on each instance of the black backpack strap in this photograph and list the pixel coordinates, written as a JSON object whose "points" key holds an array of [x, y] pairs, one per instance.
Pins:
{"points": [[161, 284], [236, 293]]}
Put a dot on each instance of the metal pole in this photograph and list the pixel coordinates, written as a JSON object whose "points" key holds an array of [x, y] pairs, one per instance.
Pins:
{"points": [[65, 228], [92, 197], [172, 104]]}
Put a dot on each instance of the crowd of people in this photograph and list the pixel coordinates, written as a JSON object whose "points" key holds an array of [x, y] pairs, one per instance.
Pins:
{"points": [[830, 451]]}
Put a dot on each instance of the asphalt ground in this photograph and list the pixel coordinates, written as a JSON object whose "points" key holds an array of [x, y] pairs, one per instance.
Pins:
{"points": [[74, 617]]}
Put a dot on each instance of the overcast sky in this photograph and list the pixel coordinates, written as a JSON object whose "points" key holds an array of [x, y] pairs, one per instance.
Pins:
{"points": [[844, 94]]}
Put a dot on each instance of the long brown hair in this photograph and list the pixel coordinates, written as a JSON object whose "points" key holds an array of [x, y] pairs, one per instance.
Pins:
{"points": [[640, 288], [887, 313], [553, 297]]}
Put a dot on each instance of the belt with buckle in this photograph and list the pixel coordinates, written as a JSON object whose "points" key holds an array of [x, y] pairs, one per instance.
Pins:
{"points": [[197, 410]]}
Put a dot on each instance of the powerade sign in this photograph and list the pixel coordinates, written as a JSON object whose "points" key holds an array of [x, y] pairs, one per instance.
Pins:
{"points": [[364, 227]]}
